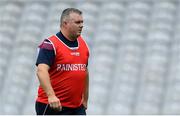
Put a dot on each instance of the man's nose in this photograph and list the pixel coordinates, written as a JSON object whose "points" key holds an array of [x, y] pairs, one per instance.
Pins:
{"points": [[81, 25]]}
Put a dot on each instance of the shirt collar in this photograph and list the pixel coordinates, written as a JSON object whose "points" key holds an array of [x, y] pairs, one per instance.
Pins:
{"points": [[66, 41]]}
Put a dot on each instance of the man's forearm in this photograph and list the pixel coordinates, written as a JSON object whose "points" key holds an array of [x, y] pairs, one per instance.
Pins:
{"points": [[86, 93], [45, 82]]}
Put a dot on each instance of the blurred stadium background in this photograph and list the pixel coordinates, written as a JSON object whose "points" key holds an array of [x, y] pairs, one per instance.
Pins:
{"points": [[135, 53]]}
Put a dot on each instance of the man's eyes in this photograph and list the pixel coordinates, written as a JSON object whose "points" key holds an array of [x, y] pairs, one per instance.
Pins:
{"points": [[78, 22]]}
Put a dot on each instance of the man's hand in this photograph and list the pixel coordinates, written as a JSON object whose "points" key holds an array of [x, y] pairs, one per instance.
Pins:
{"points": [[85, 104], [54, 102]]}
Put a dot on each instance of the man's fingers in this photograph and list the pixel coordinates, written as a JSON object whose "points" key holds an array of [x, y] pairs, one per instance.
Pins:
{"points": [[56, 105], [52, 105], [60, 107]]}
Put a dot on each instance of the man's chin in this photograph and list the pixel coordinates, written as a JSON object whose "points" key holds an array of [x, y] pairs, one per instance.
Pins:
{"points": [[78, 34]]}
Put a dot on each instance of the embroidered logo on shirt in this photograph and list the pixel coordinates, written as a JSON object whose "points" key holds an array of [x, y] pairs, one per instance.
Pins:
{"points": [[75, 53]]}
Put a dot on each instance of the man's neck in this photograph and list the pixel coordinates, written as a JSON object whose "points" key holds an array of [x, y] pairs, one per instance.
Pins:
{"points": [[67, 36]]}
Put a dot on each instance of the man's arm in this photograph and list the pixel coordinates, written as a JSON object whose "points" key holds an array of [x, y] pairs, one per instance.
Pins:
{"points": [[44, 79], [86, 92]]}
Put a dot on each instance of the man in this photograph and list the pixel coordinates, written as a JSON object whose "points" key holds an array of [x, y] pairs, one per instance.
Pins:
{"points": [[62, 69]]}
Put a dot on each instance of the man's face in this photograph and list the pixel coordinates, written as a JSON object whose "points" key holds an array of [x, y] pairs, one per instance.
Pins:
{"points": [[75, 25]]}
